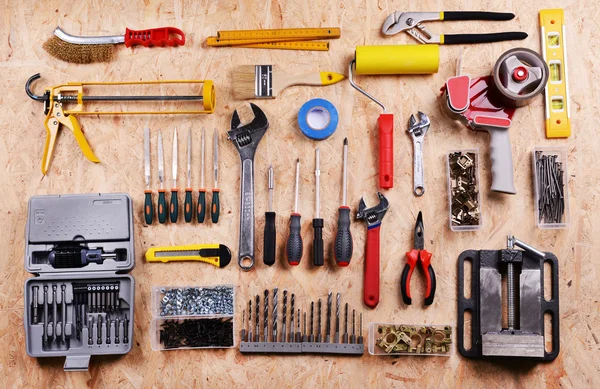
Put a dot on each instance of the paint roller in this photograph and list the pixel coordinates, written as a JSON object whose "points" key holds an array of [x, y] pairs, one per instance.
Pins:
{"points": [[391, 59]]}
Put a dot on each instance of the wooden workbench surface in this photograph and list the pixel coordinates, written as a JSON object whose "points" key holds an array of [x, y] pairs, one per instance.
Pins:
{"points": [[117, 141]]}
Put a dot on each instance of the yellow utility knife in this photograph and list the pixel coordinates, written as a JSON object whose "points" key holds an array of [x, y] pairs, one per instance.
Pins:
{"points": [[215, 254]]}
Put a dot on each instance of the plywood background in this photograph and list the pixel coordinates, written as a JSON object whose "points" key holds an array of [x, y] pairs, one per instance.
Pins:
{"points": [[117, 141]]}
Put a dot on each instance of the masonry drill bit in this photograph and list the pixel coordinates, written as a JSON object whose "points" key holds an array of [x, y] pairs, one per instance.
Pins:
{"points": [[345, 336], [256, 320], [336, 336], [319, 335], [250, 320], [360, 331], [275, 307], [311, 338], [266, 316], [292, 312], [328, 322], [304, 334], [284, 322], [353, 336]]}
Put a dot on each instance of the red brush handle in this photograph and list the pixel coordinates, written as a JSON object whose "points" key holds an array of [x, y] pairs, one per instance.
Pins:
{"points": [[371, 282], [386, 150], [165, 36]]}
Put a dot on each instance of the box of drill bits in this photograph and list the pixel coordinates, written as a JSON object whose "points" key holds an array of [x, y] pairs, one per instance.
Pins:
{"points": [[464, 200], [80, 302], [189, 317], [410, 339], [551, 194], [281, 326]]}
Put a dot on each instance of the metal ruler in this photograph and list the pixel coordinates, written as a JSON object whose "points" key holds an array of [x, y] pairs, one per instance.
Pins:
{"points": [[554, 51]]}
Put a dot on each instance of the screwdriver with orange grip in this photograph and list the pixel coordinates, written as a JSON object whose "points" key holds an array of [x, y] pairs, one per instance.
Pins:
{"points": [[423, 257]]}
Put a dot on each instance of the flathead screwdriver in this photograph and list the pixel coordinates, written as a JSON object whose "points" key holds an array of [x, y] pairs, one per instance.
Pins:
{"points": [[294, 242], [317, 221], [343, 239], [270, 231]]}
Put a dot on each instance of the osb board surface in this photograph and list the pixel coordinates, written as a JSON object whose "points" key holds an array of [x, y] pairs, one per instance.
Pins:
{"points": [[117, 141]]}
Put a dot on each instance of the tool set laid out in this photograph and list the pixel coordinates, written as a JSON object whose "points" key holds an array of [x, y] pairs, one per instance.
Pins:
{"points": [[284, 38], [173, 208], [80, 302], [297, 340]]}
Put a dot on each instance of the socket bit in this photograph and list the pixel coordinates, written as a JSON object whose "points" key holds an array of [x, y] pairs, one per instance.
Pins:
{"points": [[99, 330]]}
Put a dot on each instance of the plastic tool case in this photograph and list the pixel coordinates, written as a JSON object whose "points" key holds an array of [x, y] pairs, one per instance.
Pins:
{"points": [[80, 302]]}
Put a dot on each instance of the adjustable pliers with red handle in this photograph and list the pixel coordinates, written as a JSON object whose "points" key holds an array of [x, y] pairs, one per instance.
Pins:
{"points": [[423, 257]]}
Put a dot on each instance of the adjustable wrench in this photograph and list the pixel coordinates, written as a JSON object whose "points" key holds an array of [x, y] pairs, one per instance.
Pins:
{"points": [[373, 217], [246, 138], [418, 130]]}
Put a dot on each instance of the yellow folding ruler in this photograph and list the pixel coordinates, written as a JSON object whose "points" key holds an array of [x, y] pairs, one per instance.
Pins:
{"points": [[286, 38], [554, 50]]}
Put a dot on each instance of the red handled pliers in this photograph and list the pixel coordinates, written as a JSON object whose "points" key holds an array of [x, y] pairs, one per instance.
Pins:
{"points": [[418, 254]]}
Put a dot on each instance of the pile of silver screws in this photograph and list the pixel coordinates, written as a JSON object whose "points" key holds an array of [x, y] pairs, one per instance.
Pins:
{"points": [[464, 189], [550, 183], [216, 300]]}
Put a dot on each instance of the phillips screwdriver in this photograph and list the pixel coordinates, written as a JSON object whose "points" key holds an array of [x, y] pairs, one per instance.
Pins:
{"points": [[216, 204], [174, 200], [270, 231], [201, 210], [317, 221], [162, 202], [343, 239], [148, 204], [188, 208], [294, 242]]}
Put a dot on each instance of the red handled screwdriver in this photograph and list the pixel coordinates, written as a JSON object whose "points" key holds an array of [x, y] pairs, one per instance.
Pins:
{"points": [[294, 242], [343, 239]]}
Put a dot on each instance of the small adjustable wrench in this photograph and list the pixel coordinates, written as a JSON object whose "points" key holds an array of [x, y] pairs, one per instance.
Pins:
{"points": [[246, 138], [373, 217], [418, 130]]}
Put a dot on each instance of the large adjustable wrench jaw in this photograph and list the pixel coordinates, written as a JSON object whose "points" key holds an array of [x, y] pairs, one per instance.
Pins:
{"points": [[374, 215], [246, 138]]}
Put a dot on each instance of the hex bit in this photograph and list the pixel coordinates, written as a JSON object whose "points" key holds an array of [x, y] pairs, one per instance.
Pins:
{"points": [[275, 309], [266, 318]]}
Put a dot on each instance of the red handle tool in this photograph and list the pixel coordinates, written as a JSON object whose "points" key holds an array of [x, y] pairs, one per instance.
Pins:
{"points": [[386, 150], [165, 36], [418, 254], [371, 282]]}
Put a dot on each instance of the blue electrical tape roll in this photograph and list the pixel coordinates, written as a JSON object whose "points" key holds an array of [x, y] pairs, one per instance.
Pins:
{"points": [[318, 119]]}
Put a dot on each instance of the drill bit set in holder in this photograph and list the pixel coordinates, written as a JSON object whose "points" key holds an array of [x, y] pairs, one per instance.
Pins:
{"points": [[263, 335]]}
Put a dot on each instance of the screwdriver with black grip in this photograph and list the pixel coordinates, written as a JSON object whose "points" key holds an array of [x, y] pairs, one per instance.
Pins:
{"points": [[148, 203], [343, 246], [216, 204], [317, 221], [294, 242], [188, 208], [162, 201], [201, 209], [174, 207], [270, 231]]}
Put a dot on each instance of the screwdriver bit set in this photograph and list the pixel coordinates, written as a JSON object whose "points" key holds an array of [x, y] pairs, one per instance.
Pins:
{"points": [[304, 333], [80, 302]]}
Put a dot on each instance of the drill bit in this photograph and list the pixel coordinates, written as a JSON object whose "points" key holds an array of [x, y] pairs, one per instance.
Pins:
{"points": [[345, 336], [63, 312], [298, 338], [275, 297], [319, 335], [243, 325], [54, 312], [45, 332], [292, 311], [360, 331], [284, 322], [266, 318], [311, 338], [256, 320], [353, 336], [328, 323], [336, 336], [304, 335], [250, 320], [35, 304]]}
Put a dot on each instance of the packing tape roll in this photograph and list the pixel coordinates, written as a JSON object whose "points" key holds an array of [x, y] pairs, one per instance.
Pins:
{"points": [[397, 59], [318, 119]]}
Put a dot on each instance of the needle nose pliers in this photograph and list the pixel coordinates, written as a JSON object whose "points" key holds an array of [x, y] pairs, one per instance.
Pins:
{"points": [[418, 254]]}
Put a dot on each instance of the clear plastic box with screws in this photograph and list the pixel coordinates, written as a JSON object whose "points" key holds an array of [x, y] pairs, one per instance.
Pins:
{"points": [[551, 190], [410, 339], [190, 317], [464, 199]]}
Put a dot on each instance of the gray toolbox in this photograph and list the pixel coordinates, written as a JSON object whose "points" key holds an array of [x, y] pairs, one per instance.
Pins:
{"points": [[80, 302]]}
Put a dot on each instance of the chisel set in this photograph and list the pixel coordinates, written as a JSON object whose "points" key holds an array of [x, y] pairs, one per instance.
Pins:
{"points": [[300, 336], [80, 303]]}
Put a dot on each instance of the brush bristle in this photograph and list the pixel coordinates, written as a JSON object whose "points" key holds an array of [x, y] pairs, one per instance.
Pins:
{"points": [[244, 81], [74, 53]]}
